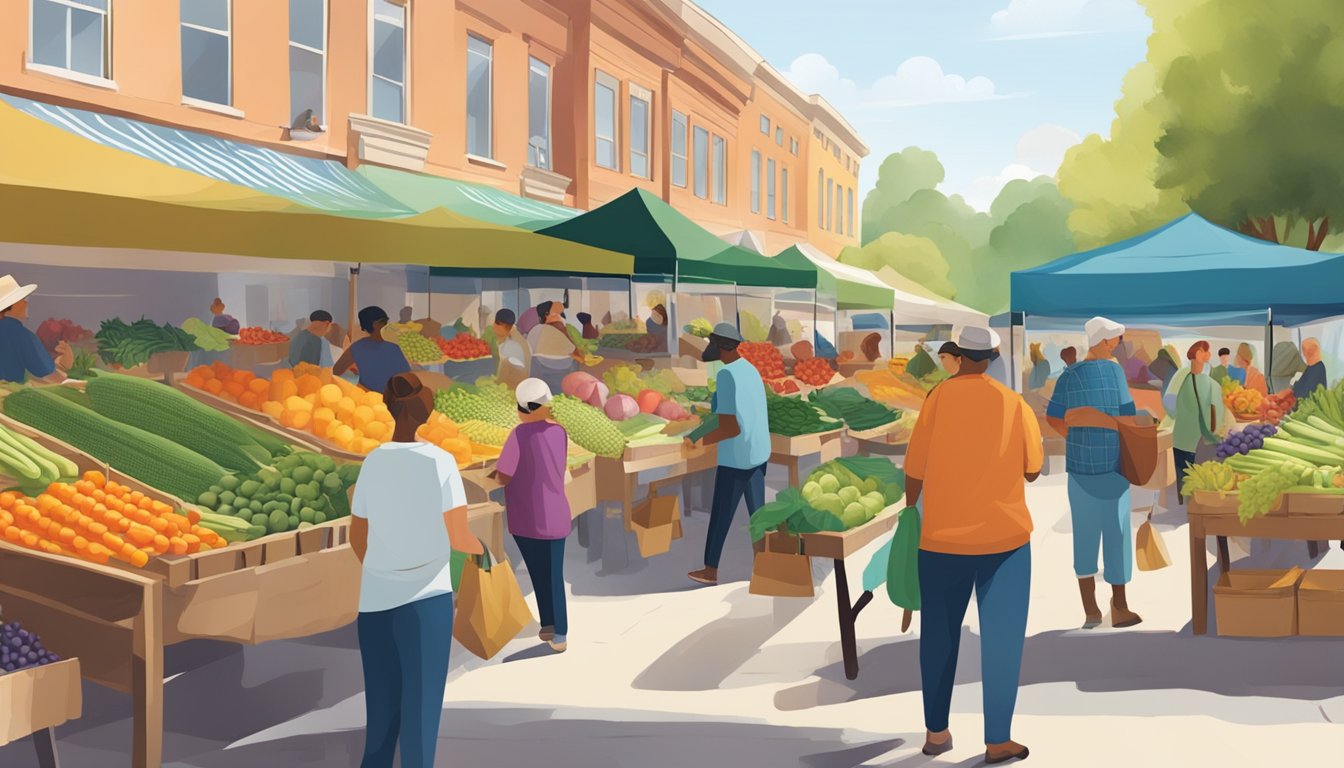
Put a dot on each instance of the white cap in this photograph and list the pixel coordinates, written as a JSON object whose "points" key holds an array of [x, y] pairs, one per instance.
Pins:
{"points": [[12, 293], [533, 391], [977, 339], [1100, 329]]}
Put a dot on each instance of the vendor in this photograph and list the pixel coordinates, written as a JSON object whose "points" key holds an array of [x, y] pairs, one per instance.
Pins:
{"points": [[656, 326], [226, 323], [553, 352], [378, 359], [21, 352], [309, 344], [779, 331], [509, 348], [1254, 378], [1314, 376], [1040, 368], [586, 324]]}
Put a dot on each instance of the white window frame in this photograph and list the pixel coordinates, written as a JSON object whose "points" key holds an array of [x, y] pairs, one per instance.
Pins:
{"points": [[489, 153], [770, 188], [718, 163], [604, 80], [755, 185], [406, 58], [532, 62], [793, 147], [641, 94], [228, 35], [765, 125], [326, 41], [779, 135], [702, 172], [685, 148], [66, 72], [784, 194]]}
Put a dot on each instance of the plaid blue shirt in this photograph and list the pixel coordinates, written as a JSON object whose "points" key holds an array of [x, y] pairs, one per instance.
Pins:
{"points": [[1097, 384]]}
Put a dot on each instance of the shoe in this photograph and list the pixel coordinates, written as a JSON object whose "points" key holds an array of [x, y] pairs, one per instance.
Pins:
{"points": [[1092, 622], [546, 634], [709, 576], [558, 643], [932, 749], [1002, 753], [1121, 618]]}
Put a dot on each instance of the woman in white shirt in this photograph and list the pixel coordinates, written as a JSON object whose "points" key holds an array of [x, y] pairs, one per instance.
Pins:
{"points": [[409, 512]]}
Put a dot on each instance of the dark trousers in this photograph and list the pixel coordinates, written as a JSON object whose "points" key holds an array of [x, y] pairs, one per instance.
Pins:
{"points": [[1002, 584], [405, 654], [730, 486], [1184, 460], [545, 559]]}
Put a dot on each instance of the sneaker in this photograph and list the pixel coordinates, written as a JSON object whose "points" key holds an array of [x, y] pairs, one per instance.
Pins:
{"points": [[558, 643], [546, 634], [1005, 752], [708, 576], [934, 748]]}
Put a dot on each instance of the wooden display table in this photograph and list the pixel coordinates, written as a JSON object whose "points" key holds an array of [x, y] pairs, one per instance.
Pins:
{"points": [[788, 452], [838, 545], [1311, 523], [890, 440], [35, 700], [617, 480]]}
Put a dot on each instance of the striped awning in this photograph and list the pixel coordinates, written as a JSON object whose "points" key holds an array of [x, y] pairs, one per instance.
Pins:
{"points": [[323, 185], [424, 192]]}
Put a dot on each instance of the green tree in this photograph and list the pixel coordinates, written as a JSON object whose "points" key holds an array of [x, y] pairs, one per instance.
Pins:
{"points": [[899, 177], [918, 258]]}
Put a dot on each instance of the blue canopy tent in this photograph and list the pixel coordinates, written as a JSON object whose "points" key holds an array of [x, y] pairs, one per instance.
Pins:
{"points": [[1189, 272]]}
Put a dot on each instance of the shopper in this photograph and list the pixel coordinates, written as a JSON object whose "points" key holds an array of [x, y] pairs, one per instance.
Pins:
{"points": [[1197, 402], [1254, 378], [586, 325], [1314, 376], [743, 437], [1220, 371], [554, 353], [656, 326], [1287, 362], [950, 356], [1069, 356], [1098, 493], [512, 356], [409, 511], [226, 323], [308, 344], [532, 469], [378, 359], [975, 536], [920, 364], [21, 351], [1163, 367], [1040, 368]]}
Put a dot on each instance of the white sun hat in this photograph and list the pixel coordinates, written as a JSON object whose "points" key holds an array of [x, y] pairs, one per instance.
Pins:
{"points": [[978, 339], [533, 391], [1100, 329], [12, 293]]}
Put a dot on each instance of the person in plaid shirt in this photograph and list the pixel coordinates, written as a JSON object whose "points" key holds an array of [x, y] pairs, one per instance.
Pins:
{"points": [[1098, 493]]}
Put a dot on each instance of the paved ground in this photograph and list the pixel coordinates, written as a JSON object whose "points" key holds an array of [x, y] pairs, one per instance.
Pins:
{"points": [[662, 674]]}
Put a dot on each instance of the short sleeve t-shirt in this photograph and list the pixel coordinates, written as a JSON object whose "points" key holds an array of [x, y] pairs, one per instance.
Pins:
{"points": [[21, 353], [740, 392], [534, 458], [378, 362], [403, 491]]}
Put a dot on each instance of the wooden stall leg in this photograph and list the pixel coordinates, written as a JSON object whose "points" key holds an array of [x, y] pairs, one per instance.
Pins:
{"points": [[1199, 579], [630, 485], [687, 489], [1224, 560], [1313, 549], [44, 743], [147, 681], [793, 472], [848, 643], [581, 528]]}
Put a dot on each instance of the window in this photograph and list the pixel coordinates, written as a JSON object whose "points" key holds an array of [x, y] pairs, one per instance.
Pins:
{"points": [[770, 189], [793, 147], [388, 84], [480, 120], [821, 199], [701, 149], [639, 131], [830, 204], [835, 150], [849, 211], [308, 58], [538, 114], [779, 135], [605, 119], [679, 139], [765, 125], [755, 181], [784, 194], [206, 51], [720, 170], [72, 35]]}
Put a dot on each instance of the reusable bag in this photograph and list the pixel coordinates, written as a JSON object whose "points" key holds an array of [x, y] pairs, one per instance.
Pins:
{"points": [[1138, 440], [1149, 550], [903, 562], [491, 610], [782, 574]]}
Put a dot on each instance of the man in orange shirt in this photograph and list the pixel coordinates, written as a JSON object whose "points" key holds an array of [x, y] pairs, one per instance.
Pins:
{"points": [[975, 443]]}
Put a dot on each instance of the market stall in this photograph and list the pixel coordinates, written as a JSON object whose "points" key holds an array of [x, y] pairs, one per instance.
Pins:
{"points": [[844, 293], [37, 698]]}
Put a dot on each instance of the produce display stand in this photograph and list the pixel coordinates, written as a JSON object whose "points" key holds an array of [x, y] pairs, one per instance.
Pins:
{"points": [[618, 480], [35, 700], [890, 440], [249, 356], [788, 452], [1299, 517], [837, 546]]}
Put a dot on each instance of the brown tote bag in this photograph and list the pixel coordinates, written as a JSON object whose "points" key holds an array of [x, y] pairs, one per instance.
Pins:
{"points": [[1138, 440]]}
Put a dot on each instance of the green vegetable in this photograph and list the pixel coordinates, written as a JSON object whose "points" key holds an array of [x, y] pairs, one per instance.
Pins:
{"points": [[131, 345], [858, 412], [207, 336], [588, 427], [791, 416]]}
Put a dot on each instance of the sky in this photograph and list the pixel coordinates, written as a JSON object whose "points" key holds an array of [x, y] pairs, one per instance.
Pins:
{"points": [[999, 89]]}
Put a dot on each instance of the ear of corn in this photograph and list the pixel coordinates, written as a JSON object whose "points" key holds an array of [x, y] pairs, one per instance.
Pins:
{"points": [[169, 413], [147, 457]]}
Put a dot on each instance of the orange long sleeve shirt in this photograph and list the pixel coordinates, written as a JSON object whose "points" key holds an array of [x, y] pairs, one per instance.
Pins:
{"points": [[974, 442]]}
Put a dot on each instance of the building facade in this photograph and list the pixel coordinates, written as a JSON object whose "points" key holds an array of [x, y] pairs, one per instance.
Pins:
{"points": [[569, 101]]}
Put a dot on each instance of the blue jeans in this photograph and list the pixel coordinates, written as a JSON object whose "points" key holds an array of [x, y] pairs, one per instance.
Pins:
{"points": [[1002, 584], [1099, 508], [545, 559], [730, 486], [405, 654]]}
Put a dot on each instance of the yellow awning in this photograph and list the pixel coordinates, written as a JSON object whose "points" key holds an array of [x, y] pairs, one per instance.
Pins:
{"points": [[57, 188]]}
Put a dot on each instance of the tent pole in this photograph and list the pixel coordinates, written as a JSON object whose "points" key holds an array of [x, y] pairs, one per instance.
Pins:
{"points": [[1269, 339], [352, 305]]}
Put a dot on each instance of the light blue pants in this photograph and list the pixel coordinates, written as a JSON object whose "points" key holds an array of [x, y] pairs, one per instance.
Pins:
{"points": [[1099, 508]]}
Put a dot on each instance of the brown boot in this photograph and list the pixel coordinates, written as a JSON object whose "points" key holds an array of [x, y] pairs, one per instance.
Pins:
{"points": [[1002, 753], [705, 575], [1121, 616], [1087, 588], [937, 743]]}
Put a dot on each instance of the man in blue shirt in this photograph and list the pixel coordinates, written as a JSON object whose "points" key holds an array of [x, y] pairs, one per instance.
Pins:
{"points": [[21, 352], [743, 437]]}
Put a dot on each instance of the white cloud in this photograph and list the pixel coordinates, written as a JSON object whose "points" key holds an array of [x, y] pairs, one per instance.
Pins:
{"points": [[1032, 19], [917, 81], [1038, 153]]}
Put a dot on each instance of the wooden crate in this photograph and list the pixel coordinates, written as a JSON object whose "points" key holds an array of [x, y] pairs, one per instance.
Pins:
{"points": [[36, 698], [1310, 504], [835, 545], [805, 445]]}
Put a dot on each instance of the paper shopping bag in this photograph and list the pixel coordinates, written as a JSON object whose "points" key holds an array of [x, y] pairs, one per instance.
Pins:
{"points": [[656, 522], [1149, 549], [491, 610], [781, 574]]}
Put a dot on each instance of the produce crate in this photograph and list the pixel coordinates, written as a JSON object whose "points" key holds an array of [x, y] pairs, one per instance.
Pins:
{"points": [[1255, 603], [1212, 502], [36, 698], [1310, 504], [1320, 604], [836, 545], [167, 363], [249, 356], [807, 445]]}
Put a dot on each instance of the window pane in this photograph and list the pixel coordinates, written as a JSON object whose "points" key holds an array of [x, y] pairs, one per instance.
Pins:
{"points": [[206, 13], [639, 137], [770, 189], [784, 194], [49, 33], [604, 114], [86, 42], [99, 4], [849, 210], [392, 11], [701, 163], [720, 170], [539, 114], [389, 51], [205, 66], [306, 21], [755, 181], [830, 207], [305, 83], [779, 135], [387, 104], [478, 97], [679, 149], [821, 198], [765, 125], [606, 153]]}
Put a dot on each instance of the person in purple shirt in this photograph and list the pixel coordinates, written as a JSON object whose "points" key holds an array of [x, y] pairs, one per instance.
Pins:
{"points": [[532, 469], [226, 323]]}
